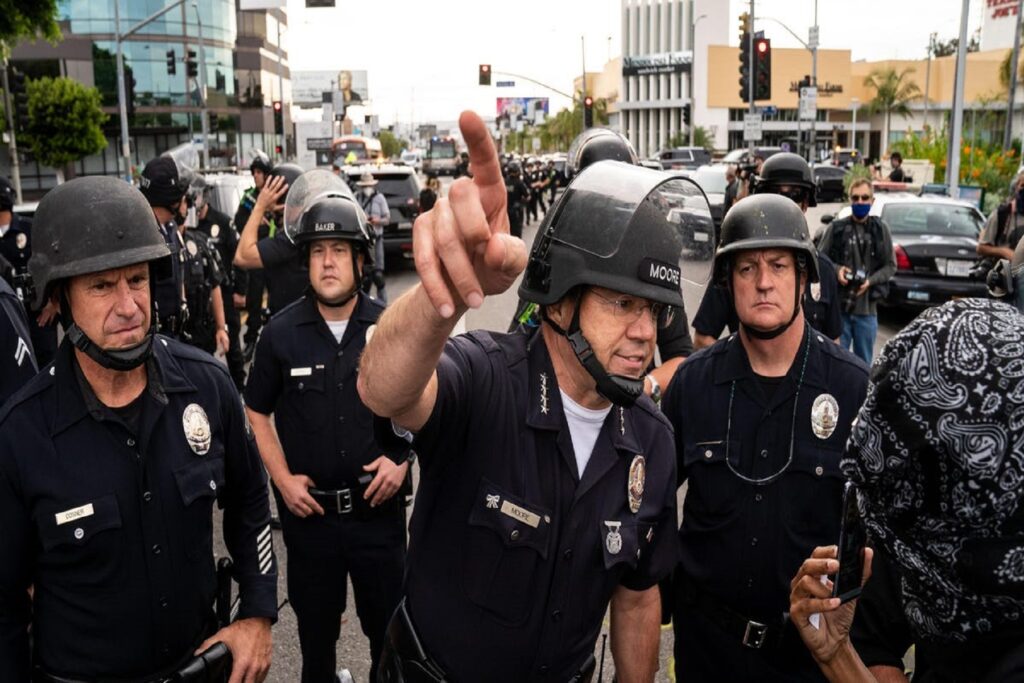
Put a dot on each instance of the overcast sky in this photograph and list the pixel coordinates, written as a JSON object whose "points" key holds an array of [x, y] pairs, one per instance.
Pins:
{"points": [[422, 55]]}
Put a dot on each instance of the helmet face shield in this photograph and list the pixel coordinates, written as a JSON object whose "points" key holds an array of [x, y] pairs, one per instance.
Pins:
{"points": [[310, 186], [626, 228]]}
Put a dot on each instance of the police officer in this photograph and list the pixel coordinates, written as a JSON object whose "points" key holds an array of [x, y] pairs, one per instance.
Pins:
{"points": [[787, 174], [16, 249], [277, 256], [165, 193], [110, 463], [255, 285], [547, 481], [517, 195], [206, 326], [221, 235], [335, 488], [760, 422], [17, 359]]}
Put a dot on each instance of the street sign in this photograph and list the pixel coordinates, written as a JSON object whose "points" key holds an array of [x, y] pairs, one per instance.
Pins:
{"points": [[751, 127], [535, 143], [506, 84], [812, 38], [808, 104], [769, 110], [318, 144]]}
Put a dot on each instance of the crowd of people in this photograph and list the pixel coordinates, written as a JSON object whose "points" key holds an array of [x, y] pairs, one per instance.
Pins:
{"points": [[550, 457]]}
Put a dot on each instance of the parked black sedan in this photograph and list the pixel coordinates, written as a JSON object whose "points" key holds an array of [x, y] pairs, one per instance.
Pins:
{"points": [[935, 239]]}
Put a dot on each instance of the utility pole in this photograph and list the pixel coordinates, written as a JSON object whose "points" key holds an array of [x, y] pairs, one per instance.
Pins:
{"points": [[583, 83], [204, 114], [693, 68], [280, 83], [8, 107], [953, 161], [928, 74], [1008, 135], [814, 84], [750, 85]]}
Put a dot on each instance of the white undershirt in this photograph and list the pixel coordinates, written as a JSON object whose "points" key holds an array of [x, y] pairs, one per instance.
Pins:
{"points": [[337, 328], [4, 229], [584, 426]]}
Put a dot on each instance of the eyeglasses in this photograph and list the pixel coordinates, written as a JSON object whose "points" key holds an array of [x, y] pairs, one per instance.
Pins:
{"points": [[798, 196], [629, 309], [860, 198]]}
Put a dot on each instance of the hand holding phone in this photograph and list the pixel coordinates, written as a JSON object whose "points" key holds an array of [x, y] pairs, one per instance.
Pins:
{"points": [[846, 584]]}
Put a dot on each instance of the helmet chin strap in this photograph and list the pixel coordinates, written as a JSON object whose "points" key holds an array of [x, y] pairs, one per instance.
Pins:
{"points": [[121, 360], [776, 331], [619, 389]]}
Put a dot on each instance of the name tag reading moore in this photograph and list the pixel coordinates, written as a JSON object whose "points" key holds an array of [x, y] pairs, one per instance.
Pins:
{"points": [[523, 515], [74, 513]]}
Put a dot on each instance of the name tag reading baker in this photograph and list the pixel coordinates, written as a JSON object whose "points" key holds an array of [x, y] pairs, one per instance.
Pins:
{"points": [[523, 515], [74, 514]]}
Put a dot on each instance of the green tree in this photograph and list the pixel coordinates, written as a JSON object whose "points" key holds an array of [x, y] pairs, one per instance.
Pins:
{"points": [[893, 91], [390, 144], [65, 122], [946, 48], [1004, 72], [558, 131], [28, 19]]}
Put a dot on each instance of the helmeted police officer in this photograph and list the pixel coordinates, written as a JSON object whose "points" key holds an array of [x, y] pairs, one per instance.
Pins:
{"points": [[109, 466], [17, 359], [789, 175], [162, 188], [517, 195], [16, 249], [206, 326], [760, 421], [255, 284], [334, 486], [547, 481], [279, 259], [221, 235]]}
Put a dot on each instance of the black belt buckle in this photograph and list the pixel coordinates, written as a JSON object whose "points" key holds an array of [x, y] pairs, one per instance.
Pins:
{"points": [[755, 635]]}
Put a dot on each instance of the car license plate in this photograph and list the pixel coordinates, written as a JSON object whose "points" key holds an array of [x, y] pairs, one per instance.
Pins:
{"points": [[958, 268], [700, 237], [918, 296]]}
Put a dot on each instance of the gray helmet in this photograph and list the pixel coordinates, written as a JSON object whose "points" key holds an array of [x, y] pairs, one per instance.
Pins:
{"points": [[764, 221], [88, 225], [598, 144], [786, 168]]}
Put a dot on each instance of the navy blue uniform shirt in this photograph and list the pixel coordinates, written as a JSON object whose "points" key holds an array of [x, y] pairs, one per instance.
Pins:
{"points": [[307, 380], [285, 273], [513, 558], [822, 307], [743, 543], [114, 528]]}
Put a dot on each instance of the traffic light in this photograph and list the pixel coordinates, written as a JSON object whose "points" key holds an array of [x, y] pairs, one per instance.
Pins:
{"points": [[191, 68], [278, 118], [19, 96], [762, 69], [172, 63], [745, 57], [278, 150], [588, 112], [485, 74], [686, 114]]}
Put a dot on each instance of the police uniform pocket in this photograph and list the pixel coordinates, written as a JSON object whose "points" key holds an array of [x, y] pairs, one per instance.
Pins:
{"points": [[814, 492], [307, 399], [199, 482], [82, 543], [713, 490], [506, 540]]}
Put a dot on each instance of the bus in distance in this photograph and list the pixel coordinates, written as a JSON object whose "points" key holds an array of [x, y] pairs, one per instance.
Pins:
{"points": [[442, 156]]}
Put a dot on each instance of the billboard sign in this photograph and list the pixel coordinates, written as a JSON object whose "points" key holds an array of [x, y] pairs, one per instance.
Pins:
{"points": [[532, 109], [658, 63], [308, 87]]}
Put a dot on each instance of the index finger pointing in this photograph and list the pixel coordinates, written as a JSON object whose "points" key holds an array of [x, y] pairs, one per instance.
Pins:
{"points": [[482, 155]]}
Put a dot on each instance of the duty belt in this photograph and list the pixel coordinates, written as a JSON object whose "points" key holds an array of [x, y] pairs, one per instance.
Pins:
{"points": [[338, 500], [350, 501], [750, 632], [210, 666]]}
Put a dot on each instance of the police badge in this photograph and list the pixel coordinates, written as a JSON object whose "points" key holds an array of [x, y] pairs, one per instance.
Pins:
{"points": [[816, 291], [613, 541], [635, 487], [197, 428], [824, 416], [214, 230], [192, 248], [21, 240]]}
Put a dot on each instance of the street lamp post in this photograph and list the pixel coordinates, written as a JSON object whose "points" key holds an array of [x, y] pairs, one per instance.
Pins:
{"points": [[204, 114], [693, 71], [853, 133]]}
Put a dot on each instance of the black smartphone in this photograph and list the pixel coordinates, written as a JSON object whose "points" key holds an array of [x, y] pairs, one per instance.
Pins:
{"points": [[852, 540]]}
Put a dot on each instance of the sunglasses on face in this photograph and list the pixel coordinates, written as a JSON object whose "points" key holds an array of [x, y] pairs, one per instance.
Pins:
{"points": [[860, 198]]}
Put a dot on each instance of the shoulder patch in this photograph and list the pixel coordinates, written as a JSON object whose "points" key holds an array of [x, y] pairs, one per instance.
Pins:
{"points": [[835, 351]]}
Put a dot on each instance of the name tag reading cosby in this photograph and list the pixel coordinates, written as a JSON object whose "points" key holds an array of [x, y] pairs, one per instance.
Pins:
{"points": [[74, 513], [516, 512]]}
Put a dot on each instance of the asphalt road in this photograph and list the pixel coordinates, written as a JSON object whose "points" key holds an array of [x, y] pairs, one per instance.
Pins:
{"points": [[495, 314]]}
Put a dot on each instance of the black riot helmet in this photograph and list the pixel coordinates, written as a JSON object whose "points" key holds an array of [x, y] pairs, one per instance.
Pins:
{"points": [[766, 221], [786, 168], [337, 217], [514, 168], [598, 144], [7, 195], [290, 172], [260, 162], [161, 183], [88, 225], [625, 228]]}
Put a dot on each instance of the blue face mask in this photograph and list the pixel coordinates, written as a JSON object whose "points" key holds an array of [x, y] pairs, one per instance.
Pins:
{"points": [[860, 210]]}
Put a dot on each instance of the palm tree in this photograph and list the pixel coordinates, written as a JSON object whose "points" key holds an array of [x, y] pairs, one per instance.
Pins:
{"points": [[892, 93]]}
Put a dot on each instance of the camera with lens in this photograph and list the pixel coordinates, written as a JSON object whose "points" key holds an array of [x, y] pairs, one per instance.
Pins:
{"points": [[854, 281], [747, 170]]}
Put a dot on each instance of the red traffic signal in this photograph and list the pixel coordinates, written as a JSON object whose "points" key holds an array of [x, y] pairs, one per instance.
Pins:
{"points": [[277, 106], [588, 101], [485, 74]]}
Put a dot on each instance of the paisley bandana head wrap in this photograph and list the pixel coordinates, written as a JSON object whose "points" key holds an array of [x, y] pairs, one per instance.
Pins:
{"points": [[937, 453]]}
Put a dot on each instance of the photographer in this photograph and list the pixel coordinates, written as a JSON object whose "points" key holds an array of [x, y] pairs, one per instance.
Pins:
{"points": [[1004, 228], [747, 173], [861, 247]]}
